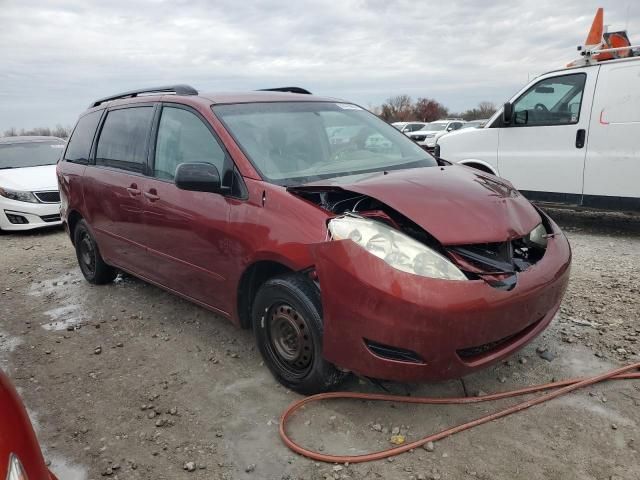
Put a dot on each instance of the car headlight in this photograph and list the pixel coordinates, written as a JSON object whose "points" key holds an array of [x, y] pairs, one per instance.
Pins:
{"points": [[18, 195], [16, 471], [395, 248], [538, 236], [430, 135]]}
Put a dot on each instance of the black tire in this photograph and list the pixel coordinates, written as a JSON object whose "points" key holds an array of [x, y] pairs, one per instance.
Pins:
{"points": [[287, 321], [93, 267]]}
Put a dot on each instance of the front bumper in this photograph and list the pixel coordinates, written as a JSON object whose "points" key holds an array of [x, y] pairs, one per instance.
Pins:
{"points": [[452, 327], [14, 214]]}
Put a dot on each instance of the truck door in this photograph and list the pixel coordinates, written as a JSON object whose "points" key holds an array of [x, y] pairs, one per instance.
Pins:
{"points": [[542, 150], [612, 167]]}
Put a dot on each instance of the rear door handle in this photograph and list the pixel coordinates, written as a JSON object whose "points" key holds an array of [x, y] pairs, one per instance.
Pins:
{"points": [[133, 190], [580, 136], [152, 195]]}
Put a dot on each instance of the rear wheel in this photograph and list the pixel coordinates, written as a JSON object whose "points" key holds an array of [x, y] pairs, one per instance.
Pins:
{"points": [[287, 321], [93, 267]]}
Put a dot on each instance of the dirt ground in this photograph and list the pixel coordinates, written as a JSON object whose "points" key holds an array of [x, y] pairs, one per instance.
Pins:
{"points": [[127, 381]]}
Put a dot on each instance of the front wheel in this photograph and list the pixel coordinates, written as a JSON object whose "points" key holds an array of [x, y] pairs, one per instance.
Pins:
{"points": [[93, 267], [287, 321]]}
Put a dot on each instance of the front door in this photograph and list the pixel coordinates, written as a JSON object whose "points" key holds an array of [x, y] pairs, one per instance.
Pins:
{"points": [[542, 150], [185, 230]]}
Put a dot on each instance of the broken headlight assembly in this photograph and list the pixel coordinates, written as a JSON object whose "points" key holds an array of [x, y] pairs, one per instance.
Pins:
{"points": [[538, 236], [18, 195], [395, 248]]}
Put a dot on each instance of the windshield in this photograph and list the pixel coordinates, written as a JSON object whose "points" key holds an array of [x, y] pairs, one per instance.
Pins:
{"points": [[298, 142], [30, 154], [434, 127]]}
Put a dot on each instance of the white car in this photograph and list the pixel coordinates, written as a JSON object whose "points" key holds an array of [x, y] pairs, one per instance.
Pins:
{"points": [[406, 127], [431, 132], [29, 196]]}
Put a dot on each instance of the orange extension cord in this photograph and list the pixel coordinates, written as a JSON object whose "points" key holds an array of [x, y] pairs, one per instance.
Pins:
{"points": [[559, 388]]}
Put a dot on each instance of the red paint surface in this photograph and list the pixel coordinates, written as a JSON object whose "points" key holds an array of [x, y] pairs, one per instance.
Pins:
{"points": [[17, 435]]}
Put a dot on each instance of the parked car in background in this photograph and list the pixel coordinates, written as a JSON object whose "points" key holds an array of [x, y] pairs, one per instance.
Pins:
{"points": [[20, 454], [428, 135], [475, 123], [29, 195], [570, 136], [365, 255], [406, 127]]}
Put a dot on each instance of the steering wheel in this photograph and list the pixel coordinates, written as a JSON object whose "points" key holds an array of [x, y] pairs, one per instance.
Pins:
{"points": [[541, 107]]}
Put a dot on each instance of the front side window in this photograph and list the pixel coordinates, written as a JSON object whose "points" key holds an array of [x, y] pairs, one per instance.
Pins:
{"points": [[184, 138], [296, 142], [552, 101], [30, 154], [82, 137], [123, 139]]}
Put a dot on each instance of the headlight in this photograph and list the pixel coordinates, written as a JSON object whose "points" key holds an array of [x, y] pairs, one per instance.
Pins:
{"points": [[538, 236], [19, 196], [430, 135], [395, 248], [16, 472]]}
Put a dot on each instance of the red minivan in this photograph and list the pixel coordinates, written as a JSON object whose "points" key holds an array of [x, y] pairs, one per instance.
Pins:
{"points": [[344, 245]]}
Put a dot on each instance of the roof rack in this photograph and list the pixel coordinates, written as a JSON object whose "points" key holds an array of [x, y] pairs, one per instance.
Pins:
{"points": [[300, 90], [177, 89]]}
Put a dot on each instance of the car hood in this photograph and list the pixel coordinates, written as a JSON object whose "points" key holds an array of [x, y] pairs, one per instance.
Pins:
{"points": [[29, 179], [457, 205]]}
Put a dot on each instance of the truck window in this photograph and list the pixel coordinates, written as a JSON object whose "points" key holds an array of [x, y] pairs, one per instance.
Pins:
{"points": [[552, 101]]}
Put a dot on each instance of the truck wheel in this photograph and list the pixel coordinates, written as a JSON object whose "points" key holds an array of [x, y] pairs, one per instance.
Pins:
{"points": [[93, 267], [287, 321]]}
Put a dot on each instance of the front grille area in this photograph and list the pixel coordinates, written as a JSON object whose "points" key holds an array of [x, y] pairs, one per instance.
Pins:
{"points": [[51, 218], [476, 352], [419, 138], [52, 196]]}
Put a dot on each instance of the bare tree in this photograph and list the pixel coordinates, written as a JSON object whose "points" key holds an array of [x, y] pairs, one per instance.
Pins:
{"points": [[482, 111], [428, 110], [58, 131], [397, 109]]}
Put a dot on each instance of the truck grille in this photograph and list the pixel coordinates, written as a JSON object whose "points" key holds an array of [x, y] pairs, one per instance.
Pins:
{"points": [[52, 196]]}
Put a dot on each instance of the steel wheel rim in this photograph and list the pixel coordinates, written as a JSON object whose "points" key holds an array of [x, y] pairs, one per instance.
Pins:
{"points": [[87, 255], [289, 339]]}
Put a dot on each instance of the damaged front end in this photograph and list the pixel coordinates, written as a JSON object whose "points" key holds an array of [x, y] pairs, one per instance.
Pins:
{"points": [[405, 246]]}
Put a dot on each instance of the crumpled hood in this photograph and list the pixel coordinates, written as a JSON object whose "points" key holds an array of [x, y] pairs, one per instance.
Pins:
{"points": [[29, 179], [457, 205]]}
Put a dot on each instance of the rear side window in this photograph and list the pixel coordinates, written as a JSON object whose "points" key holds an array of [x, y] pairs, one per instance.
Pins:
{"points": [[184, 138], [80, 141], [123, 139]]}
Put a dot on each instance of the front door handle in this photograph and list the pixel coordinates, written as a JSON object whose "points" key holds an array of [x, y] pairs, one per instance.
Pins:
{"points": [[152, 195], [133, 190], [580, 136]]}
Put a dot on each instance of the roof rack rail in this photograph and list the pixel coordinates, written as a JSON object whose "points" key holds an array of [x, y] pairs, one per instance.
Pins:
{"points": [[300, 90], [177, 89]]}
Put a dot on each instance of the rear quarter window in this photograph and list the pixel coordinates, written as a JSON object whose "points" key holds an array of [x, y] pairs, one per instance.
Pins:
{"points": [[123, 138], [82, 138]]}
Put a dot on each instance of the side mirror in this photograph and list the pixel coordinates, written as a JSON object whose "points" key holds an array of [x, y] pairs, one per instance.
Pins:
{"points": [[507, 113], [449, 129], [199, 177]]}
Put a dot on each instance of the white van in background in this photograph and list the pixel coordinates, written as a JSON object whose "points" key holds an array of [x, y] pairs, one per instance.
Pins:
{"points": [[571, 136]]}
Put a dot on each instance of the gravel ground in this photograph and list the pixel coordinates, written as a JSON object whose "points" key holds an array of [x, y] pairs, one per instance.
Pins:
{"points": [[127, 381]]}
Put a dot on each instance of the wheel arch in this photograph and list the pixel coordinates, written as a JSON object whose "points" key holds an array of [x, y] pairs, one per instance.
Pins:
{"points": [[480, 165], [254, 276], [73, 217]]}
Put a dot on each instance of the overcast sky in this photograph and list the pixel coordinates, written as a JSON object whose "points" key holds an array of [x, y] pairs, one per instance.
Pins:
{"points": [[57, 56]]}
